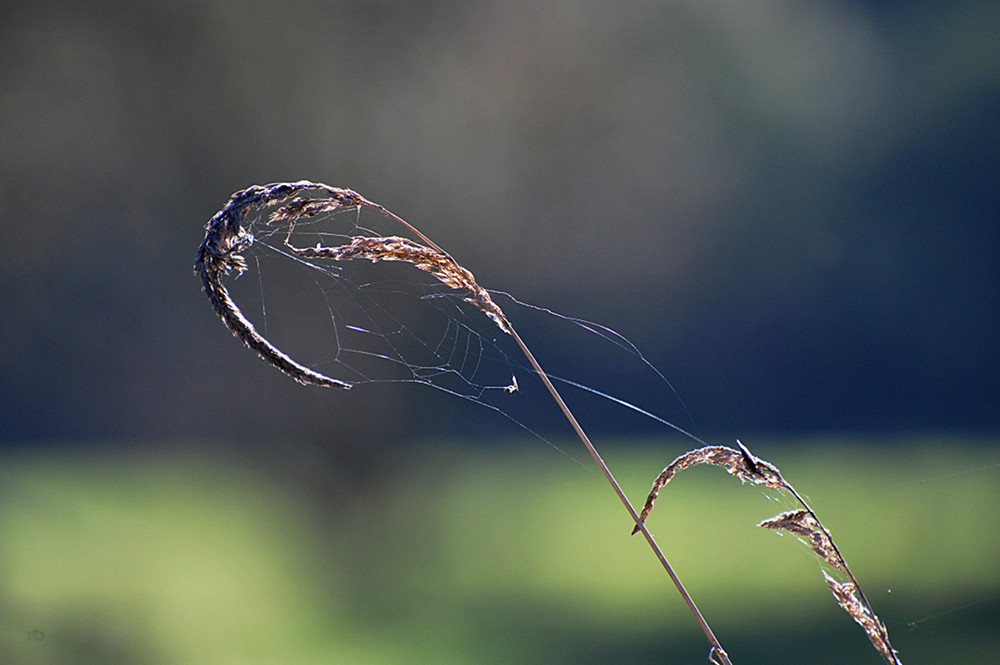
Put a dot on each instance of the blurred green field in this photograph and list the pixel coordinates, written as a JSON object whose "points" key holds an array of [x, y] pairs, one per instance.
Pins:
{"points": [[512, 555]]}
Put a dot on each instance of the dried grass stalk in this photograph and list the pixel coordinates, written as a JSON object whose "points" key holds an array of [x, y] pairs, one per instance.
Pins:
{"points": [[219, 254], [739, 463], [801, 522], [226, 237]]}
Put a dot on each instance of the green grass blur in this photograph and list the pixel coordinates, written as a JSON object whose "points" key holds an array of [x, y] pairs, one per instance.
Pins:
{"points": [[515, 555]]}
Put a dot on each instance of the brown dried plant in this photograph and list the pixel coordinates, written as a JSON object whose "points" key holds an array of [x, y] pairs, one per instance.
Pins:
{"points": [[801, 522], [225, 237], [219, 255]]}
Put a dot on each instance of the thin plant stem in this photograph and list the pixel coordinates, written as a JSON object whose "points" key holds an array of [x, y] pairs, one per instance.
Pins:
{"points": [[717, 649], [218, 255]]}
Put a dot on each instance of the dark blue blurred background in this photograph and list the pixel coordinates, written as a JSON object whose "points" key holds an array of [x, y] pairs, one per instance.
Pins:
{"points": [[791, 208]]}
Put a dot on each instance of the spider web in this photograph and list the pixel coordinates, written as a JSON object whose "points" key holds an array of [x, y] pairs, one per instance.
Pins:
{"points": [[363, 321]]}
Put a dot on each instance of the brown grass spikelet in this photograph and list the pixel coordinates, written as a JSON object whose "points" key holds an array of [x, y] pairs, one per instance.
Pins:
{"points": [[852, 601], [226, 237], [428, 259], [219, 254], [803, 523], [739, 463]]}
